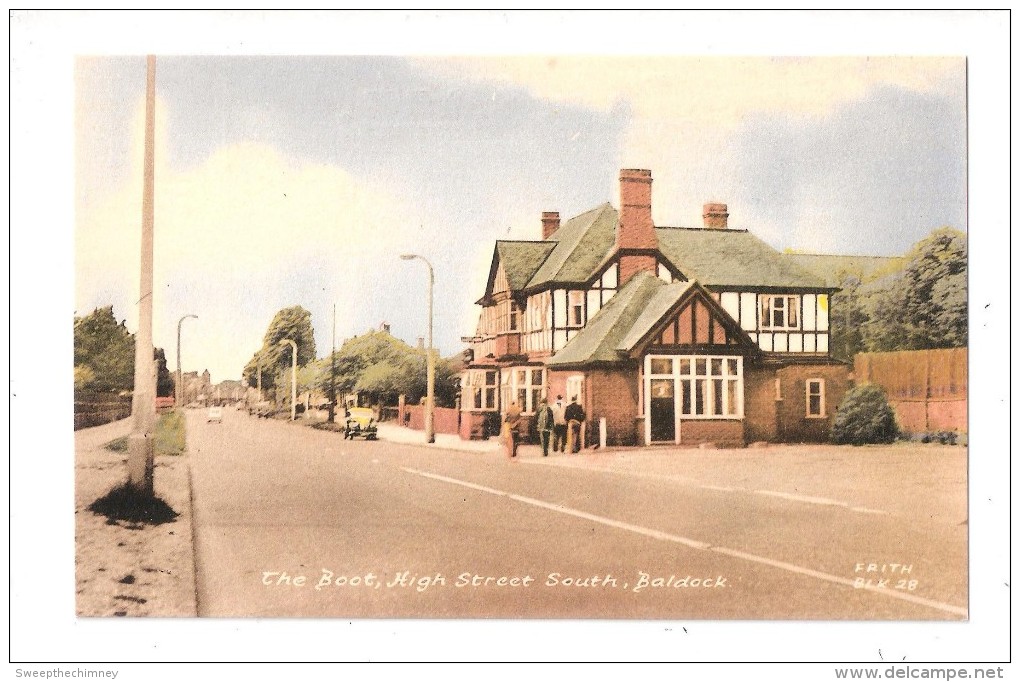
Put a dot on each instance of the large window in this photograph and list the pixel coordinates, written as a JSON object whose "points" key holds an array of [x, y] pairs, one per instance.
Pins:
{"points": [[482, 386], [525, 386], [705, 386], [780, 312], [815, 397]]}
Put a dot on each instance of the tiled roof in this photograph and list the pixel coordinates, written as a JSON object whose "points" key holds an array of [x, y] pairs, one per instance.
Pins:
{"points": [[582, 243], [522, 259], [664, 298], [727, 257], [832, 268], [713, 257], [604, 333]]}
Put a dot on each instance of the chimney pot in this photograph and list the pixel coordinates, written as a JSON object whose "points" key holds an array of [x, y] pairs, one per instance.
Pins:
{"points": [[715, 215], [550, 223]]}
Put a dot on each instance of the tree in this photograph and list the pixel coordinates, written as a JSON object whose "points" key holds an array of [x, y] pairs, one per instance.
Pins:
{"points": [[104, 352], [382, 367], [164, 379], [849, 319], [294, 323], [104, 356], [926, 305]]}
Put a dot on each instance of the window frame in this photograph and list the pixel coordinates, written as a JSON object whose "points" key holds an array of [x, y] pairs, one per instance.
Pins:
{"points": [[808, 394], [768, 310], [712, 378]]}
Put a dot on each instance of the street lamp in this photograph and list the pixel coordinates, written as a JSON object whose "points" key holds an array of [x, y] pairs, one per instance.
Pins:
{"points": [[293, 378], [179, 389], [430, 400]]}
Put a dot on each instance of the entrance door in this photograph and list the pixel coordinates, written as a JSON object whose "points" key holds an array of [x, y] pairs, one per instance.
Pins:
{"points": [[662, 410]]}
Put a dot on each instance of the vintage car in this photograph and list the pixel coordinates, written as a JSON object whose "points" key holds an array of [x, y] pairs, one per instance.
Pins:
{"points": [[215, 414], [360, 422]]}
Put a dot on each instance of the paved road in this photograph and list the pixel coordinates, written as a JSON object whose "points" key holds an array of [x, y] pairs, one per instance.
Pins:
{"points": [[405, 531]]}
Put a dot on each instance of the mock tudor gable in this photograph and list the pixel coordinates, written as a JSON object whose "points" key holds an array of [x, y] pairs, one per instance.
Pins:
{"points": [[665, 334]]}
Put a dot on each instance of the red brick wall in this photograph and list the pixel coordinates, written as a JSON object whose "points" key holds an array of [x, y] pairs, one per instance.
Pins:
{"points": [[793, 424], [632, 264], [760, 419], [608, 394], [726, 433], [445, 419], [613, 395]]}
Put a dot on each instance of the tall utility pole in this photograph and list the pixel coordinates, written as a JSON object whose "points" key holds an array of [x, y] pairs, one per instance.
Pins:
{"points": [[143, 398], [332, 373], [430, 399], [179, 386]]}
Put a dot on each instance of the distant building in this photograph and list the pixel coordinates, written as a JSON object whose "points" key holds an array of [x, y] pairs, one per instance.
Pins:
{"points": [[667, 334]]}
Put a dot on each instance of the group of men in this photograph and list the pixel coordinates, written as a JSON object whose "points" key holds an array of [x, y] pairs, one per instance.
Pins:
{"points": [[561, 425]]}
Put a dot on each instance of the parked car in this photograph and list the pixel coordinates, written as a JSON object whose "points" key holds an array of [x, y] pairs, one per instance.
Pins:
{"points": [[215, 415], [360, 422]]}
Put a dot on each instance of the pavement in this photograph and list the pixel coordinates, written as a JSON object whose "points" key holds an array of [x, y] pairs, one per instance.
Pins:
{"points": [[124, 568], [444, 441]]}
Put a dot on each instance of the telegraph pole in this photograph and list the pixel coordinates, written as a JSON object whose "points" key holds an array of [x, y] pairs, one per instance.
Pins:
{"points": [[143, 398], [332, 373]]}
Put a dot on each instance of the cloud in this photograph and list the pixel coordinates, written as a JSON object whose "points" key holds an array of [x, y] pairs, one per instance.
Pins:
{"points": [[684, 111], [232, 235]]}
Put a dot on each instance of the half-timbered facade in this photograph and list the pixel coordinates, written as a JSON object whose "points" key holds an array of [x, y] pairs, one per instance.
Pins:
{"points": [[664, 334]]}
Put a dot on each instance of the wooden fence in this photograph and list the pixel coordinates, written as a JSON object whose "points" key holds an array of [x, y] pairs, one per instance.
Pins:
{"points": [[927, 388]]}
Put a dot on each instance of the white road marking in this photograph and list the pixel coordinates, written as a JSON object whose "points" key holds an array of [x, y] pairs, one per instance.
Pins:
{"points": [[696, 544], [689, 481]]}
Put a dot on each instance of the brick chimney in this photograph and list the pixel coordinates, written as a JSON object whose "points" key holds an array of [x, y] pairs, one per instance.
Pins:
{"points": [[715, 216], [550, 223], [635, 236]]}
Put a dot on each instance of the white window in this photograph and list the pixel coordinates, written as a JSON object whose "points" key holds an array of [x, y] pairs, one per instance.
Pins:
{"points": [[706, 386], [814, 390], [482, 389], [780, 312], [575, 311], [575, 389], [525, 386]]}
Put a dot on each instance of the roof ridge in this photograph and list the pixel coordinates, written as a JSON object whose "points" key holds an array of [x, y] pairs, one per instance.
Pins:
{"points": [[731, 230], [598, 211]]}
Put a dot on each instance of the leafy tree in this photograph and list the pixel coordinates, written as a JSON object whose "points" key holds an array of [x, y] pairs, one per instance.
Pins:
{"points": [[104, 352], [383, 367], [849, 318], [104, 356], [926, 305], [164, 379], [294, 323], [864, 417]]}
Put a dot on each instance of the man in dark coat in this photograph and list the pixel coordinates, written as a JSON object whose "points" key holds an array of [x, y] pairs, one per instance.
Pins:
{"points": [[575, 421]]}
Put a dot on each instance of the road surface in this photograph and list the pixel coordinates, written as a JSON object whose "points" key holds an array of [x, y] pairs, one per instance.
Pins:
{"points": [[291, 521]]}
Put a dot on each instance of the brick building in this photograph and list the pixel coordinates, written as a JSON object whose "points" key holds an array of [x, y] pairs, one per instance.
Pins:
{"points": [[664, 334]]}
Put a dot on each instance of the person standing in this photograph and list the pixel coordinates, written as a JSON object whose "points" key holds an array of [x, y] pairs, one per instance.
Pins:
{"points": [[559, 426], [544, 424], [575, 417], [511, 426]]}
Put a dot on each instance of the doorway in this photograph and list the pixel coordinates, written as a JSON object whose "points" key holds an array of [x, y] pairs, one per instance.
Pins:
{"points": [[662, 410]]}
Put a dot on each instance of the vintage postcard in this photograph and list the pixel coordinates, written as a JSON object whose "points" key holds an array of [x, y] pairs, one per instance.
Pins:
{"points": [[674, 341]]}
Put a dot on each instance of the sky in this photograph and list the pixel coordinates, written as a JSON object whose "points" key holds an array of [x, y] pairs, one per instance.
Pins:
{"points": [[295, 180]]}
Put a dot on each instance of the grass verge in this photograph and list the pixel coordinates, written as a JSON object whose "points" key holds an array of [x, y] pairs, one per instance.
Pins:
{"points": [[169, 436]]}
